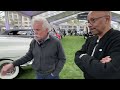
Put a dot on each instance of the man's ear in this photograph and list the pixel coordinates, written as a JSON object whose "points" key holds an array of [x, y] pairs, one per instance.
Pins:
{"points": [[108, 18], [47, 30]]}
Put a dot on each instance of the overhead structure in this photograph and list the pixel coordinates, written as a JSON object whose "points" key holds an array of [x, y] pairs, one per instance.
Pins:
{"points": [[58, 17], [31, 13], [61, 16], [80, 15], [65, 19], [115, 17], [55, 17], [68, 18]]}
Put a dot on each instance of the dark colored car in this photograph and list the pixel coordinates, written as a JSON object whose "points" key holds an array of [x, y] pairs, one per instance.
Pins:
{"points": [[19, 33]]}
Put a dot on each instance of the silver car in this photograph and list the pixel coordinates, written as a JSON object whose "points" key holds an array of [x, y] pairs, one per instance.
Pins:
{"points": [[12, 48]]}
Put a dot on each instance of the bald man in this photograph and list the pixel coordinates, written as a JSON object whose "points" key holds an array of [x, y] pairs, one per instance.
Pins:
{"points": [[99, 57]]}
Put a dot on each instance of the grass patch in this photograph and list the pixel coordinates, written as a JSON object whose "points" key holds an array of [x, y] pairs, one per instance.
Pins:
{"points": [[70, 71], [71, 44]]}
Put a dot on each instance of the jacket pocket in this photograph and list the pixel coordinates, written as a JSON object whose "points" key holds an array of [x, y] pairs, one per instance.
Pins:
{"points": [[51, 60]]}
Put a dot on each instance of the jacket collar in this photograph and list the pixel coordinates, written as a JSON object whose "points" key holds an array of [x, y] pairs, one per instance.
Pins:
{"points": [[40, 42], [107, 34]]}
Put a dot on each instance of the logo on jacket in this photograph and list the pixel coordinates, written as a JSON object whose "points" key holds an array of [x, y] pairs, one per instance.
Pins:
{"points": [[100, 50]]}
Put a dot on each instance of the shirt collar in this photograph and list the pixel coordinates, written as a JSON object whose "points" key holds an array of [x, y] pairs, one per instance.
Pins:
{"points": [[47, 37], [39, 42]]}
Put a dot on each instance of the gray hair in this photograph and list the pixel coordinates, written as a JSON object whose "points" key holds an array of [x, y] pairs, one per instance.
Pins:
{"points": [[44, 20]]}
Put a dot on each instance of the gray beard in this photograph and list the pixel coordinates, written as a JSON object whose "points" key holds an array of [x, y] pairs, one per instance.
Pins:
{"points": [[37, 39]]}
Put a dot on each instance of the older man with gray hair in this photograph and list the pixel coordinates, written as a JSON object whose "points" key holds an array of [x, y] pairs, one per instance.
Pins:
{"points": [[45, 50]]}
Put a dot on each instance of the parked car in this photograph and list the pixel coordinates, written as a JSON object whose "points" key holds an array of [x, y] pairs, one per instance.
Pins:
{"points": [[19, 33], [27, 33], [12, 48]]}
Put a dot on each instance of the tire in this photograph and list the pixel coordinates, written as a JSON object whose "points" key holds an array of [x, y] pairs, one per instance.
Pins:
{"points": [[11, 75]]}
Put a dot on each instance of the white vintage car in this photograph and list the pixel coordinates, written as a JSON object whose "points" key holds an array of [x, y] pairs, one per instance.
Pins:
{"points": [[12, 48]]}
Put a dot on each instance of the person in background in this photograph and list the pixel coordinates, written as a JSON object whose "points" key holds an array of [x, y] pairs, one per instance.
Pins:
{"points": [[64, 33]]}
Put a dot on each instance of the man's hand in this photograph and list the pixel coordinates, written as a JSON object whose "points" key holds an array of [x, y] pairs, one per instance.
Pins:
{"points": [[105, 59], [6, 68]]}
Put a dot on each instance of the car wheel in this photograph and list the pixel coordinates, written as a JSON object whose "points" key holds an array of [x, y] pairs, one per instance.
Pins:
{"points": [[10, 75]]}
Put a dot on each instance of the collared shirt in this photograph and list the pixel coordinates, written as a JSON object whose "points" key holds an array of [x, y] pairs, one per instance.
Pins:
{"points": [[40, 42]]}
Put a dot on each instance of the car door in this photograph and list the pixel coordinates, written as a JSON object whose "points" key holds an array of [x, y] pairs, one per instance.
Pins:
{"points": [[13, 47]]}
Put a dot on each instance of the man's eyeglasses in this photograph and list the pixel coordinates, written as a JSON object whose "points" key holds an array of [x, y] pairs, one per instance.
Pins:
{"points": [[93, 20]]}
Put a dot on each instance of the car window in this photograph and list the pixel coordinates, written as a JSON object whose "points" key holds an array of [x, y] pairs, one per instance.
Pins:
{"points": [[20, 33], [25, 33], [12, 33]]}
